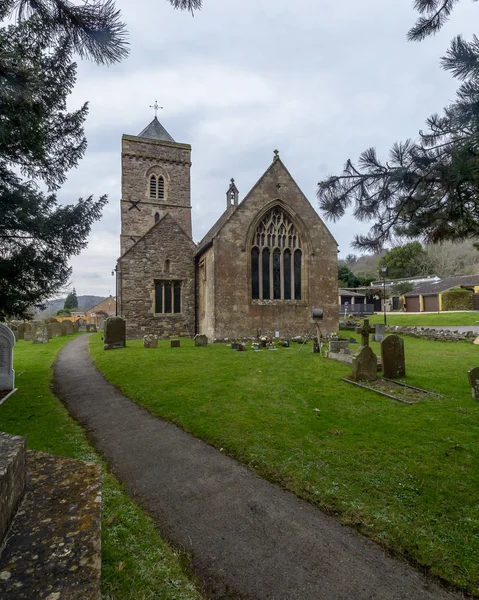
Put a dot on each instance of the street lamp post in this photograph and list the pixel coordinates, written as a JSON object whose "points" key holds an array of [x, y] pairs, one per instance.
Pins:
{"points": [[384, 271]]}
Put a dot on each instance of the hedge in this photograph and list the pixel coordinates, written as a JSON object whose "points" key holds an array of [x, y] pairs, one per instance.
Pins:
{"points": [[457, 299]]}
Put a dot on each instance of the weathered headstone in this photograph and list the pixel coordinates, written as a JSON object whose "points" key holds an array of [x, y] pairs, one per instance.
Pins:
{"points": [[473, 377], [115, 333], [91, 327], [150, 341], [337, 345], [392, 353], [21, 329], [76, 326], [201, 339], [54, 329], [101, 323], [175, 343], [365, 331], [7, 374], [40, 334], [67, 327], [81, 324], [379, 333], [365, 365], [28, 332]]}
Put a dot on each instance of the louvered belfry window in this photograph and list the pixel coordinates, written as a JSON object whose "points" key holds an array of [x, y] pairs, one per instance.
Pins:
{"points": [[276, 258], [157, 187]]}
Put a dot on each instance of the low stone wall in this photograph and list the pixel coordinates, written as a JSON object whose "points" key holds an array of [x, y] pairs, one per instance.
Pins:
{"points": [[440, 335]]}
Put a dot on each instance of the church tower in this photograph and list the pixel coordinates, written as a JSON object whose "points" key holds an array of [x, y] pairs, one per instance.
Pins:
{"points": [[155, 182]]}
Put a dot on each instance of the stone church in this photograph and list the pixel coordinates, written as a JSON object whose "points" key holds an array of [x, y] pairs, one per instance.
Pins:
{"points": [[261, 268]]}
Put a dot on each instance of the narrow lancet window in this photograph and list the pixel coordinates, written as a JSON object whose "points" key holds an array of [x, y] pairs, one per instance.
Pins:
{"points": [[255, 273], [161, 187], [153, 186]]}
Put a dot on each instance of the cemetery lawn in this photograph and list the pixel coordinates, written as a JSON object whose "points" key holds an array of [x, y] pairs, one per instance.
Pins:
{"points": [[446, 319], [136, 563], [406, 476]]}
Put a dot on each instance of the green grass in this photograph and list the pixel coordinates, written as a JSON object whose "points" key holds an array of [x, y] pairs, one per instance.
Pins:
{"points": [[407, 476], [136, 563], [420, 320]]}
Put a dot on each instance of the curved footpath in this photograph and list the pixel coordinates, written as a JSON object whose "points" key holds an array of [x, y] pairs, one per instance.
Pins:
{"points": [[247, 538]]}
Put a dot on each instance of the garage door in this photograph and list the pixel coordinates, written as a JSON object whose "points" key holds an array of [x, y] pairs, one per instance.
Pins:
{"points": [[412, 304], [431, 303]]}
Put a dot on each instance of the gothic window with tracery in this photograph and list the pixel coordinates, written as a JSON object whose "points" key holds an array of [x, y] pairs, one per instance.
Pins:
{"points": [[276, 258]]}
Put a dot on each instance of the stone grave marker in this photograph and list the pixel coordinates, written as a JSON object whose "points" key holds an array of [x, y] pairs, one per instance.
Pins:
{"points": [[380, 328], [115, 333], [473, 377], [201, 339], [67, 327], [175, 343], [101, 323], [150, 341], [54, 329], [21, 329], [392, 353], [365, 365], [365, 331], [28, 332], [91, 328], [81, 324], [40, 334], [7, 374]]}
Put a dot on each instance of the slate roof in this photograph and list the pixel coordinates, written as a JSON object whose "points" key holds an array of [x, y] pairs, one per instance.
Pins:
{"points": [[343, 292], [444, 284], [208, 238], [156, 131]]}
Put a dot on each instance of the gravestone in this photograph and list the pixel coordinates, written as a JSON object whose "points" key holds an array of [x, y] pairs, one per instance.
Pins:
{"points": [[7, 374], [201, 339], [365, 365], [81, 324], [101, 323], [379, 333], [365, 330], [54, 329], [392, 353], [115, 333], [337, 345], [27, 331], [473, 377], [91, 328], [67, 327], [150, 341], [40, 334], [175, 343]]}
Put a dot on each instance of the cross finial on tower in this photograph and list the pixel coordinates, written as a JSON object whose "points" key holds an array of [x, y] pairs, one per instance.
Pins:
{"points": [[276, 154], [156, 106]]}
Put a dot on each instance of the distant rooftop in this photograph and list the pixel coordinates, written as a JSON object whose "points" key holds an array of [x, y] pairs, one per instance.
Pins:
{"points": [[156, 131]]}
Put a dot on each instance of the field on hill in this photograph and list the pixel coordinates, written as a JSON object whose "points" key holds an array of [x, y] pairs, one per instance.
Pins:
{"points": [[407, 476], [136, 562]]}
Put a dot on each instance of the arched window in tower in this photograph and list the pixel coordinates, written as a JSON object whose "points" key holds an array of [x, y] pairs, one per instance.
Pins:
{"points": [[153, 187], [157, 217], [161, 187], [276, 258]]}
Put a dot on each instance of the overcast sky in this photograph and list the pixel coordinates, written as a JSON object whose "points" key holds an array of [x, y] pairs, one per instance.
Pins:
{"points": [[321, 80]]}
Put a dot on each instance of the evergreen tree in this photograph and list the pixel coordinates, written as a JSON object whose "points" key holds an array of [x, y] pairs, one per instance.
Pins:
{"points": [[428, 187], [408, 260], [71, 301]]}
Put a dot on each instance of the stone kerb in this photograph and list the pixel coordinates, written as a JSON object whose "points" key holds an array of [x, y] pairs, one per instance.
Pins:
{"points": [[13, 467], [7, 374]]}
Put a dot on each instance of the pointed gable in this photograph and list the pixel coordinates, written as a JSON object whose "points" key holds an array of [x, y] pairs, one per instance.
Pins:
{"points": [[156, 131]]}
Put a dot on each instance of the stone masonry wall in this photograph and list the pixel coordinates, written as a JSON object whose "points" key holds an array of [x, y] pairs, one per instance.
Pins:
{"points": [[142, 266], [236, 314], [140, 157]]}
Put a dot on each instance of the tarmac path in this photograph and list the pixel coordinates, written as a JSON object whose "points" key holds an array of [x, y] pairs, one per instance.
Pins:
{"points": [[247, 538]]}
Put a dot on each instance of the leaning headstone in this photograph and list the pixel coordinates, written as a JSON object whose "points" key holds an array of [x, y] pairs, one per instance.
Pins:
{"points": [[365, 365], [175, 344], [40, 334], [115, 333], [91, 327], [7, 374], [201, 339], [473, 376], [67, 327], [392, 353], [150, 341], [379, 332]]}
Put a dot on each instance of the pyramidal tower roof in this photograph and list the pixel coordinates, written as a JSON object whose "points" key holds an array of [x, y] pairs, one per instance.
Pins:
{"points": [[156, 131]]}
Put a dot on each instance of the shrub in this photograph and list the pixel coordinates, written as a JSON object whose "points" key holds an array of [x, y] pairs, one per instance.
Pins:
{"points": [[457, 299]]}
